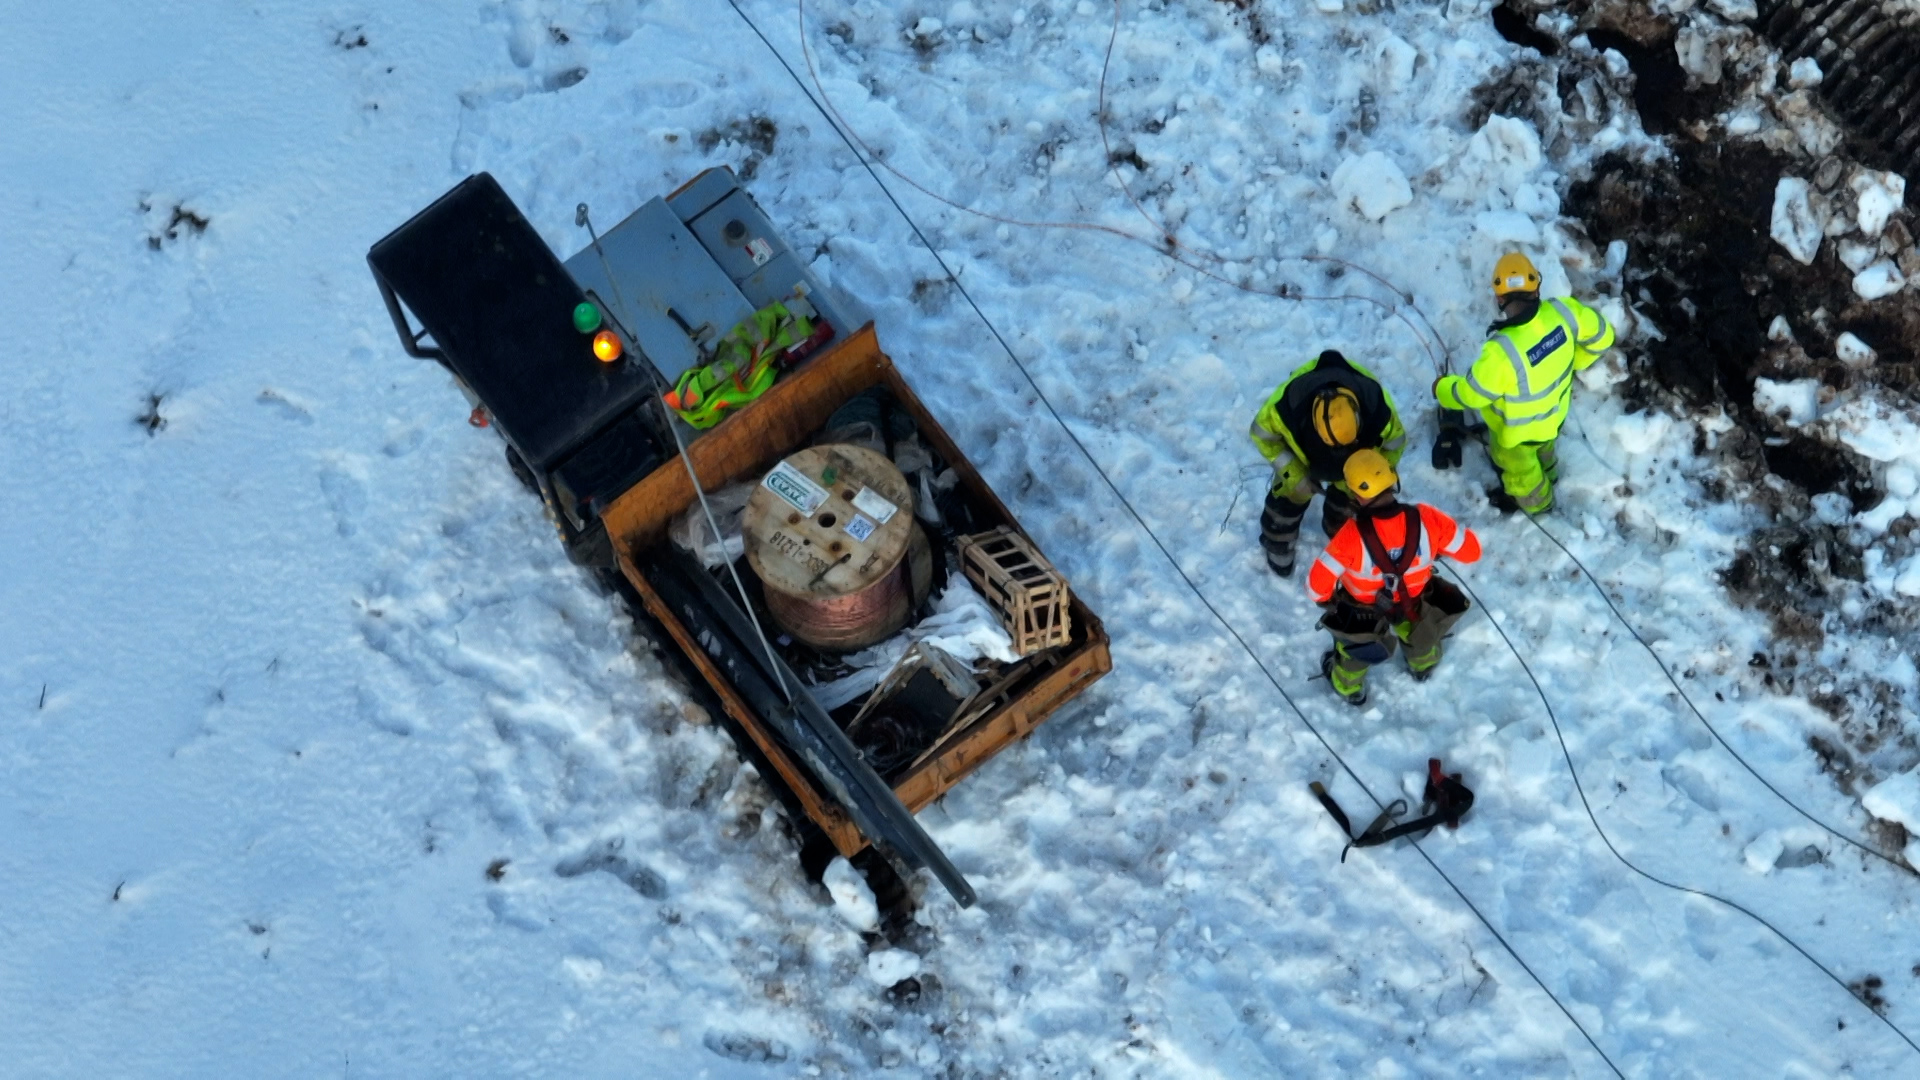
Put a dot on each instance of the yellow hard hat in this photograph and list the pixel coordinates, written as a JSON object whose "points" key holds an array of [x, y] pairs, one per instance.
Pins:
{"points": [[1514, 273], [1336, 416], [1368, 474]]}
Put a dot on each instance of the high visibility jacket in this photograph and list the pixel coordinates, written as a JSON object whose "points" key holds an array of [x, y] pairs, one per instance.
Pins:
{"points": [[1347, 564], [1523, 378], [1284, 425]]}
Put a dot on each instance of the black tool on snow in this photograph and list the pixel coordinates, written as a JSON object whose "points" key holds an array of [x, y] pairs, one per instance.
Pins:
{"points": [[1448, 445], [1445, 802]]}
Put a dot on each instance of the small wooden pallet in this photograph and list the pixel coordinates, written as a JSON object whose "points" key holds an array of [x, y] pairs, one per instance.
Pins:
{"points": [[1029, 595]]}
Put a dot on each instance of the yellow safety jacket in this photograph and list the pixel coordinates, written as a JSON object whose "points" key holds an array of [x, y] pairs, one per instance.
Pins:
{"points": [[1524, 377], [1299, 455]]}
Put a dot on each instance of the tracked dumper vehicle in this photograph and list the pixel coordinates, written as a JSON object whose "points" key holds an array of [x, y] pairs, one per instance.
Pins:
{"points": [[686, 369]]}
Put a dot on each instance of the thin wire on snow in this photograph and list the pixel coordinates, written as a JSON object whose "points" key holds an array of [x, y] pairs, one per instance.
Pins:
{"points": [[1587, 805], [1702, 717]]}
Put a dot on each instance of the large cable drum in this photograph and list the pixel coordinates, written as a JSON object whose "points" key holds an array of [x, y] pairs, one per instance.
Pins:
{"points": [[831, 535]]}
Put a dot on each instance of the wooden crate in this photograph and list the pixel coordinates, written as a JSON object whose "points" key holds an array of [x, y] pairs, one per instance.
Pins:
{"points": [[1029, 595]]}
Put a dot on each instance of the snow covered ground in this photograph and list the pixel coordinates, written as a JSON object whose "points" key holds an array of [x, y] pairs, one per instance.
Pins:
{"points": [[319, 759]]}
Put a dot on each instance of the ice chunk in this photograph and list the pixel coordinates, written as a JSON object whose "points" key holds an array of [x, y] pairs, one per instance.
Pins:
{"points": [[1734, 10], [1765, 850], [1509, 147], [1700, 53], [1804, 72], [1874, 430], [1853, 351], [1796, 401], [1902, 481], [1536, 200], [1897, 798], [1507, 227], [1832, 507], [1616, 258], [1330, 7], [1855, 255], [1395, 63], [1878, 195], [1907, 583], [1371, 184], [1640, 432], [1877, 521], [852, 900], [1881, 279], [1779, 329], [1794, 225], [888, 966]]}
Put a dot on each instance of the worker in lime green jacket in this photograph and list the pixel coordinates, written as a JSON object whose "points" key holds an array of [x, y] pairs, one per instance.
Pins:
{"points": [[1523, 379], [1327, 409]]}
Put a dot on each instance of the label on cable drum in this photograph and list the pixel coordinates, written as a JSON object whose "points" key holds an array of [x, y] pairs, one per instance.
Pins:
{"points": [[795, 487], [874, 505], [860, 527]]}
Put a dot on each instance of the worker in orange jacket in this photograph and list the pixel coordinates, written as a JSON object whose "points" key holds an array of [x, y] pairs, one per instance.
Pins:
{"points": [[1375, 580]]}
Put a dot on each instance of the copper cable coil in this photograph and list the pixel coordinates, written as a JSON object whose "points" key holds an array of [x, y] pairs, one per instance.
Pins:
{"points": [[845, 622]]}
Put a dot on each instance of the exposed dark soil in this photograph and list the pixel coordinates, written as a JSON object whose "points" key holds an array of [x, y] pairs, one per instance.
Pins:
{"points": [[1704, 271], [756, 135]]}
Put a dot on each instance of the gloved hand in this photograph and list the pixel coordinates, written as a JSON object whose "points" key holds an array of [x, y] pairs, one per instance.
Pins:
{"points": [[1448, 444]]}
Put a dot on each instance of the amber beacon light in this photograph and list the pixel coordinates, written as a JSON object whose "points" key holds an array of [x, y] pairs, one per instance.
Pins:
{"points": [[606, 346]]}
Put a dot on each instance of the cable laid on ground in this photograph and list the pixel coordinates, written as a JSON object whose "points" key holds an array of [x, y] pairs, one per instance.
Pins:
{"points": [[1157, 543], [1581, 788], [1728, 747]]}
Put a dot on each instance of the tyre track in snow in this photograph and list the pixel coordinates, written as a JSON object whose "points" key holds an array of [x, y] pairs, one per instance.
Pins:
{"points": [[1869, 56]]}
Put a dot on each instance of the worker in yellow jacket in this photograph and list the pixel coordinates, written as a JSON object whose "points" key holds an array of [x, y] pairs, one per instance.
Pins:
{"points": [[1523, 379], [1307, 429]]}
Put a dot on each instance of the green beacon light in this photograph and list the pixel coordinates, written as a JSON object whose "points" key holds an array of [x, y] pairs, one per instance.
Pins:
{"points": [[586, 317]]}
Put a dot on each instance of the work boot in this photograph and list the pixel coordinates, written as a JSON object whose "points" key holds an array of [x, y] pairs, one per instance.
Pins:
{"points": [[1354, 694], [1280, 562]]}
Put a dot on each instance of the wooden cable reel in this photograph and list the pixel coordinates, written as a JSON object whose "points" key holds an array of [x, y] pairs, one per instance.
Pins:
{"points": [[831, 535]]}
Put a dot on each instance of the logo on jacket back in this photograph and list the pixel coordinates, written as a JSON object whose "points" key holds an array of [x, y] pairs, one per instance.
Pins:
{"points": [[1546, 346]]}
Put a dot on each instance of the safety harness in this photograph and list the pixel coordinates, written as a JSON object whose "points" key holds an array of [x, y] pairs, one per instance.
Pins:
{"points": [[1393, 571], [1445, 802]]}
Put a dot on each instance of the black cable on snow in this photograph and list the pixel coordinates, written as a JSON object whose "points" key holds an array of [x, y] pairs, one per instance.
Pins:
{"points": [[1715, 732], [1454, 572], [1041, 395]]}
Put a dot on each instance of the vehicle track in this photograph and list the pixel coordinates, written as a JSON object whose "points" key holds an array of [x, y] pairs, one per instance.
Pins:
{"points": [[1869, 55]]}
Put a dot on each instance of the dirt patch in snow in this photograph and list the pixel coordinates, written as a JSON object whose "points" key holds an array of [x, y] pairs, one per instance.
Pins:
{"points": [[1722, 305]]}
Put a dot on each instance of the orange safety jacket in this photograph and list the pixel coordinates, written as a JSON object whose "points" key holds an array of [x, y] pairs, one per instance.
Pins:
{"points": [[1346, 563]]}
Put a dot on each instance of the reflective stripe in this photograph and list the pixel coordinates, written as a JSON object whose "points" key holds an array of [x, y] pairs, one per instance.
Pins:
{"points": [[1333, 565], [1550, 391], [1479, 389], [1394, 444], [1520, 382], [1264, 437], [1574, 323], [1566, 316], [1459, 540]]}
